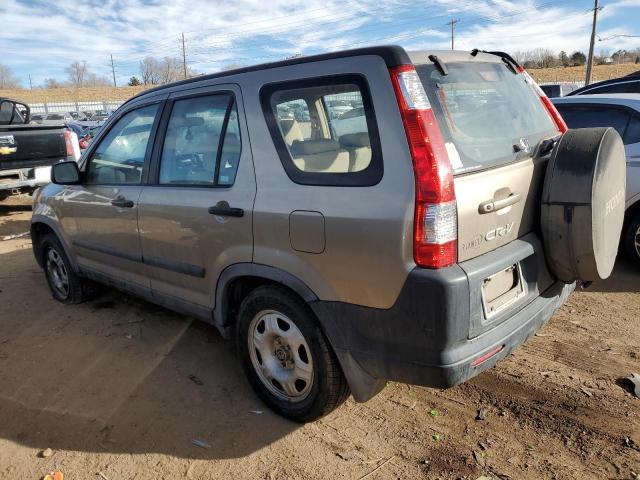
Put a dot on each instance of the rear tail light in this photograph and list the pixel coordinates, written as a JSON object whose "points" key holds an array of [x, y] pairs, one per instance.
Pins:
{"points": [[549, 107], [71, 143], [435, 236]]}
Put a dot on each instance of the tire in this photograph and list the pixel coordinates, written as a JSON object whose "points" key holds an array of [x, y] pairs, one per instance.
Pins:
{"points": [[631, 240], [65, 285], [583, 202], [286, 357]]}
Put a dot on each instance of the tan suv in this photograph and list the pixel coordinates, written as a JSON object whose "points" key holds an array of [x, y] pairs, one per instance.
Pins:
{"points": [[348, 218]]}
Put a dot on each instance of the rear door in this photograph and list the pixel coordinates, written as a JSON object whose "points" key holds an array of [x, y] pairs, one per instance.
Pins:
{"points": [[493, 122], [196, 213]]}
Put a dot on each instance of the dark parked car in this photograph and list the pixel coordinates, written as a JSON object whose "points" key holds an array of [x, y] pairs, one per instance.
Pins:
{"points": [[628, 84]]}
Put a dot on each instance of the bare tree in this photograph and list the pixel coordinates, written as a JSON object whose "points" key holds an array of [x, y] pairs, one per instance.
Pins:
{"points": [[169, 69], [94, 80], [77, 73], [7, 79], [149, 71]]}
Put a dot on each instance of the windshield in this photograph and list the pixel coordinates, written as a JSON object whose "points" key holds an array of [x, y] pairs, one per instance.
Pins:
{"points": [[486, 113]]}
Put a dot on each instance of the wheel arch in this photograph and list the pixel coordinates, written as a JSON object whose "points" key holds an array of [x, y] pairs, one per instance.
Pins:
{"points": [[41, 226], [237, 280]]}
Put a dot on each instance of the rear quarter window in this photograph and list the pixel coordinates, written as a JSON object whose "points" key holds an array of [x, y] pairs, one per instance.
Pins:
{"points": [[324, 130]]}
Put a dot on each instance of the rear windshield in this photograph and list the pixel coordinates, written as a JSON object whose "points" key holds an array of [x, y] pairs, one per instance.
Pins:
{"points": [[487, 114]]}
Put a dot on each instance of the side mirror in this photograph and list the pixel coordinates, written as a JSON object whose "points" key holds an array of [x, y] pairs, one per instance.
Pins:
{"points": [[65, 173]]}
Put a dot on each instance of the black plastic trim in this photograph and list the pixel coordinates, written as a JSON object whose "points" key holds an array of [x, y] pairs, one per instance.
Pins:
{"points": [[368, 177], [165, 263], [238, 270], [423, 338], [133, 257], [178, 267]]}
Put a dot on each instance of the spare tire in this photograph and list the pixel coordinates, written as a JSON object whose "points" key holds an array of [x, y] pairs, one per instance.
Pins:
{"points": [[583, 204]]}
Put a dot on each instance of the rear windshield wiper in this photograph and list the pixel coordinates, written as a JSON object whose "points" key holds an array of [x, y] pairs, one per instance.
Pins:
{"points": [[439, 64], [546, 146], [506, 58]]}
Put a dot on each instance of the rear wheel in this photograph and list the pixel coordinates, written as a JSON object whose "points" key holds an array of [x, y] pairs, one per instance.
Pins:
{"points": [[64, 284], [286, 356], [631, 243]]}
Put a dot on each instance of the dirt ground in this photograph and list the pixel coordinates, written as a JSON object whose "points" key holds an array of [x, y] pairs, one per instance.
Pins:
{"points": [[119, 388]]}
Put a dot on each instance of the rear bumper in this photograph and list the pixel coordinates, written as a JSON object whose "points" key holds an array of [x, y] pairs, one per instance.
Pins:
{"points": [[424, 338], [24, 180]]}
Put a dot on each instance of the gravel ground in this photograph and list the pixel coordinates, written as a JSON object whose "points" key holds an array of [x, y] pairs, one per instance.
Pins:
{"points": [[118, 388]]}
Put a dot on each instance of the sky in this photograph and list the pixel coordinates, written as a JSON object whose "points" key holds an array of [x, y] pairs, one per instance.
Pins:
{"points": [[42, 37]]}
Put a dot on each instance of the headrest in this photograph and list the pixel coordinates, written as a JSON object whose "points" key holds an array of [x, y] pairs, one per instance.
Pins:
{"points": [[312, 147], [351, 140]]}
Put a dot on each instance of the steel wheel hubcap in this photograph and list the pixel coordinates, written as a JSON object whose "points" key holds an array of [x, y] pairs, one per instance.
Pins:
{"points": [[280, 356], [637, 242], [57, 272]]}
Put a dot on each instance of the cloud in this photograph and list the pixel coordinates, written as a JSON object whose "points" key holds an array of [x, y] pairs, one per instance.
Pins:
{"points": [[46, 35]]}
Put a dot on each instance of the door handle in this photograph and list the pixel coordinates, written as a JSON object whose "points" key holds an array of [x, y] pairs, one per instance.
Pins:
{"points": [[222, 209], [493, 205], [122, 202]]}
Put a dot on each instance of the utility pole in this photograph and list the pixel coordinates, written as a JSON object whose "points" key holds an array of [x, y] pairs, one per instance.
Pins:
{"points": [[453, 24], [184, 58], [587, 79], [113, 71], [30, 84]]}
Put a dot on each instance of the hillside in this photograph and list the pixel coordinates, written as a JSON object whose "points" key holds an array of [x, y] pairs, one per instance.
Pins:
{"points": [[68, 94]]}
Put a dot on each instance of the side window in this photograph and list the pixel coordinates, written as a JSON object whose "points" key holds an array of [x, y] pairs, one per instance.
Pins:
{"points": [[596, 116], [325, 130], [119, 157], [632, 135], [202, 142]]}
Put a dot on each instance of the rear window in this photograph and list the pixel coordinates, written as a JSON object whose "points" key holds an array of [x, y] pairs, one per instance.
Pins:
{"points": [[55, 117], [484, 111]]}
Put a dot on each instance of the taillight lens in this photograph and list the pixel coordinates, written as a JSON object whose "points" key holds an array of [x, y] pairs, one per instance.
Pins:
{"points": [[71, 142], [548, 105], [435, 222]]}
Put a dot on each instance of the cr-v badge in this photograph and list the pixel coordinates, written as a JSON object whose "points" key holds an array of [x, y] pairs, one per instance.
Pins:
{"points": [[498, 232]]}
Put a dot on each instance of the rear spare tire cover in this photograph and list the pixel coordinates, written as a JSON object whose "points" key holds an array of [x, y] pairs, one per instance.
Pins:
{"points": [[583, 204]]}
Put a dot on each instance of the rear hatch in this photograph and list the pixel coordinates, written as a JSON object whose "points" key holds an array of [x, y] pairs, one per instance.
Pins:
{"points": [[496, 130]]}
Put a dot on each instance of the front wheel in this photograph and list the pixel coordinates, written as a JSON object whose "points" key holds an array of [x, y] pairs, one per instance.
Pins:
{"points": [[286, 357], [64, 284], [632, 240]]}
